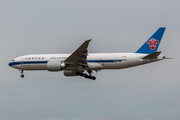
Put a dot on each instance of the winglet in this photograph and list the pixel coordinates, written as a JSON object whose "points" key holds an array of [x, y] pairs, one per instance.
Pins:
{"points": [[152, 44]]}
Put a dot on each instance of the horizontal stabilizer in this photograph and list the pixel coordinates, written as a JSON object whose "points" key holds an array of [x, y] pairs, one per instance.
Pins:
{"points": [[152, 55]]}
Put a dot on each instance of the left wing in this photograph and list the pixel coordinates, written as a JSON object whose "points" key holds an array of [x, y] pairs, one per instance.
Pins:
{"points": [[78, 59]]}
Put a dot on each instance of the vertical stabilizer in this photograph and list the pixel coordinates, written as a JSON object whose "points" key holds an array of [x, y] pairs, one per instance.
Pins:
{"points": [[152, 44]]}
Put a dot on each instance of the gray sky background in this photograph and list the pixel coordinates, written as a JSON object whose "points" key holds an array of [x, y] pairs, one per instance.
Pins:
{"points": [[148, 92]]}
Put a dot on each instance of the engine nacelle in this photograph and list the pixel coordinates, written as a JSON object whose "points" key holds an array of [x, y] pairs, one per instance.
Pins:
{"points": [[55, 65], [70, 72]]}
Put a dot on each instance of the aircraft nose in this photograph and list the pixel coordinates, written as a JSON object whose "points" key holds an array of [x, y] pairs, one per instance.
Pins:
{"points": [[10, 64]]}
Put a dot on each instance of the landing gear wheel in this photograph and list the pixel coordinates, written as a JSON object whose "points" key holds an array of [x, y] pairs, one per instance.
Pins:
{"points": [[22, 75], [81, 74], [93, 78], [86, 76]]}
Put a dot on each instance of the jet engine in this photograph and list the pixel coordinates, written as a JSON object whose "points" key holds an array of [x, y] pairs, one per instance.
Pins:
{"points": [[55, 65]]}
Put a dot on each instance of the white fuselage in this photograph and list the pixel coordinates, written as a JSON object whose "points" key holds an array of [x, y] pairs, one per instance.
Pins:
{"points": [[97, 61]]}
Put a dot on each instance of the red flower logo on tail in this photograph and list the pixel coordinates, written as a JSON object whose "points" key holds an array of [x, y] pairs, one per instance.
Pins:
{"points": [[152, 43]]}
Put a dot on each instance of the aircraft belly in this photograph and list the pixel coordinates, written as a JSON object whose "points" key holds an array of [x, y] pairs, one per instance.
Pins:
{"points": [[117, 65], [17, 67], [132, 62]]}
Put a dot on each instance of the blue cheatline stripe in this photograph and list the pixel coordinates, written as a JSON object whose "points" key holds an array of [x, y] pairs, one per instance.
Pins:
{"points": [[26, 62], [45, 62], [106, 61]]}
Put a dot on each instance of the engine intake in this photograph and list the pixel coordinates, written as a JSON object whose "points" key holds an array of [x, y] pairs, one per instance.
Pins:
{"points": [[55, 65]]}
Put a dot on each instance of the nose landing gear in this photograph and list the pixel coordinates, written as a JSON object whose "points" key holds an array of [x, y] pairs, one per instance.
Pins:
{"points": [[22, 75]]}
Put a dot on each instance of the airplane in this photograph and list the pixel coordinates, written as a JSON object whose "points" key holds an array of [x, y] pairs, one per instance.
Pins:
{"points": [[81, 63]]}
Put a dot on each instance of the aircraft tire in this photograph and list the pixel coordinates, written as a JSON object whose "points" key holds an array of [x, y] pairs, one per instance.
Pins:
{"points": [[86, 76], [22, 76], [81, 74], [93, 78]]}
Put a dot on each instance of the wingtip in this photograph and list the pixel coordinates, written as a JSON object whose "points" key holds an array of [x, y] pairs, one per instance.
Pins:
{"points": [[89, 40], [162, 27]]}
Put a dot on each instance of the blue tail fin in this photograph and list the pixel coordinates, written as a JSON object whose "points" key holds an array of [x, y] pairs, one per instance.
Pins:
{"points": [[152, 44]]}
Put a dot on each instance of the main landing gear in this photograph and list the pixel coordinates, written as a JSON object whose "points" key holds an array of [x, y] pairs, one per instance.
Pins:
{"points": [[22, 75], [86, 76]]}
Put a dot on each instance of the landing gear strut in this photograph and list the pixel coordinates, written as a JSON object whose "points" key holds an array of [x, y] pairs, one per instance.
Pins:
{"points": [[22, 75], [86, 76]]}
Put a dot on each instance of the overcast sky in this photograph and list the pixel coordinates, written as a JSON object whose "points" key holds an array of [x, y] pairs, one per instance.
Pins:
{"points": [[148, 92]]}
